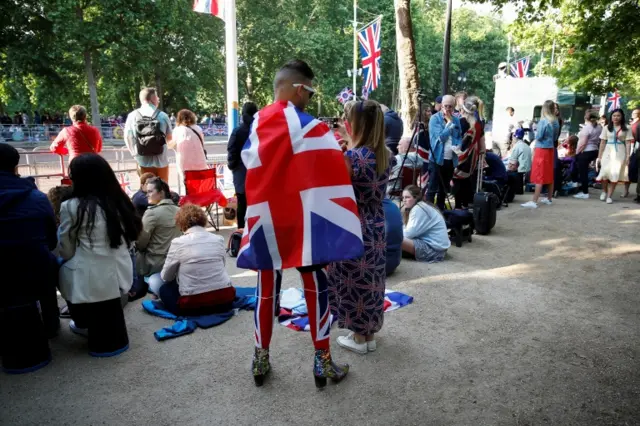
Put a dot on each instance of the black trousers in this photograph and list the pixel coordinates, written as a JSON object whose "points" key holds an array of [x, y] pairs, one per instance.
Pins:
{"points": [[242, 209], [439, 182], [463, 192], [584, 159]]}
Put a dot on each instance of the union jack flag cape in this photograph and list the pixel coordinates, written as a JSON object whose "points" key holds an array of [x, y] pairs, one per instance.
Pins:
{"points": [[301, 209]]}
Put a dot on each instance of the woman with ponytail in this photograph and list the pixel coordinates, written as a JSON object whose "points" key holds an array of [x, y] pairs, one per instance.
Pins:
{"points": [[356, 287], [426, 237]]}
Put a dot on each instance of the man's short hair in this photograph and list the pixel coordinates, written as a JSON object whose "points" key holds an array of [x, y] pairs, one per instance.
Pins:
{"points": [[510, 109], [294, 71], [146, 94], [9, 158], [77, 113]]}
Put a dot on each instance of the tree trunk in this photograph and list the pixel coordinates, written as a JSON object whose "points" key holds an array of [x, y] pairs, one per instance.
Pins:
{"points": [[407, 65], [159, 88], [93, 91]]}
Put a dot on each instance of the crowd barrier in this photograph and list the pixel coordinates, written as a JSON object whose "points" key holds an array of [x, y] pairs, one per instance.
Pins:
{"points": [[49, 169], [44, 133]]}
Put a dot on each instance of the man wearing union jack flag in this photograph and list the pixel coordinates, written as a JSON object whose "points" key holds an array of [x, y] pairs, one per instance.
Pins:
{"points": [[301, 213]]}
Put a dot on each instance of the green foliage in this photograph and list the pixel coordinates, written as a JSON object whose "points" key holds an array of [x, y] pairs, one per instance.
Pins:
{"points": [[162, 42]]}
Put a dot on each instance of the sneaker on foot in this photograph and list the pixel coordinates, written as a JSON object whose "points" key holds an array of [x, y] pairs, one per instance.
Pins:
{"points": [[372, 346], [80, 331], [546, 201], [529, 205], [348, 342], [581, 196], [603, 196], [609, 200]]}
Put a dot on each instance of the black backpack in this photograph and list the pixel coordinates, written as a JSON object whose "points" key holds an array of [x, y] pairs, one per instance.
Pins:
{"points": [[233, 246], [150, 139]]}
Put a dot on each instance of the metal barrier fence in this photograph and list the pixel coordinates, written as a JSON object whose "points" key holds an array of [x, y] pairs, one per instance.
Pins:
{"points": [[49, 169], [47, 133]]}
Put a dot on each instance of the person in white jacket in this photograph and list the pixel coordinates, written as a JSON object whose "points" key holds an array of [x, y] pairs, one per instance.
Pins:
{"points": [[425, 232]]}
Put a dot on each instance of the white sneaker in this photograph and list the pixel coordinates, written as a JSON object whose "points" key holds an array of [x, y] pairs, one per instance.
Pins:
{"points": [[529, 205], [609, 200], [581, 196], [77, 330], [349, 343], [372, 346], [603, 196], [546, 201]]}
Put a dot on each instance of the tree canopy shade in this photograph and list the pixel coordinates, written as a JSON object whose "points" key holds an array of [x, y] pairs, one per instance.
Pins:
{"points": [[51, 47]]}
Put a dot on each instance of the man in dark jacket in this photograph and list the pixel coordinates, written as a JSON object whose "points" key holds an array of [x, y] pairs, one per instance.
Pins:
{"points": [[27, 236], [236, 142], [393, 129]]}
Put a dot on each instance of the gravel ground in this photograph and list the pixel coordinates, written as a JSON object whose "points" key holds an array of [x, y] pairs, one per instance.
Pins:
{"points": [[537, 323]]}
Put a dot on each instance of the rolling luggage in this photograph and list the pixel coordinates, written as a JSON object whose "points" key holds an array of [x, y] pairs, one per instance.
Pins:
{"points": [[485, 205]]}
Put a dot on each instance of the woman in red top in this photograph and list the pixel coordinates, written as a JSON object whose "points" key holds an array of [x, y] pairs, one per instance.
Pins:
{"points": [[79, 138]]}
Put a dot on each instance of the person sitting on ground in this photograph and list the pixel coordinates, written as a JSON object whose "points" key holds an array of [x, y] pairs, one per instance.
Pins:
{"points": [[496, 169], [78, 138], [407, 157], [520, 158], [568, 147], [139, 199], [97, 227], [27, 236], [159, 229], [426, 238], [194, 280]]}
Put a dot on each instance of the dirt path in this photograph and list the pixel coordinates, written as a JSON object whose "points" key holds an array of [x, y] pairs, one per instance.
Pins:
{"points": [[537, 323]]}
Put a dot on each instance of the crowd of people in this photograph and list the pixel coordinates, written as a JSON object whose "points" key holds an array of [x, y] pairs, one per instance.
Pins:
{"points": [[102, 250]]}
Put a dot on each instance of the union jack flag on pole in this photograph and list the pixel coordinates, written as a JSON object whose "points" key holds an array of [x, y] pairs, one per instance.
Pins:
{"points": [[613, 100], [210, 7], [369, 38], [520, 68], [301, 208]]}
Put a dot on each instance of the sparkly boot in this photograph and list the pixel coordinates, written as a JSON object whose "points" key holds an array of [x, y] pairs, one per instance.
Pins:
{"points": [[324, 367], [260, 366]]}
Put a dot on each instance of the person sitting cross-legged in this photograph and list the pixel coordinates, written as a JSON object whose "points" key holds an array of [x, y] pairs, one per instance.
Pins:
{"points": [[426, 238], [194, 280]]}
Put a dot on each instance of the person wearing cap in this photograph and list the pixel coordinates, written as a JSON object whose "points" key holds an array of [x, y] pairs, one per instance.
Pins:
{"points": [[520, 158], [502, 71], [438, 106]]}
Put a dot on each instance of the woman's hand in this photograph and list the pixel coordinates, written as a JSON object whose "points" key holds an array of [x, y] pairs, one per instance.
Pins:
{"points": [[344, 134]]}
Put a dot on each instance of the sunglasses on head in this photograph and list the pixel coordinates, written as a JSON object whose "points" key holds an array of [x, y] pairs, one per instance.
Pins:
{"points": [[311, 90]]}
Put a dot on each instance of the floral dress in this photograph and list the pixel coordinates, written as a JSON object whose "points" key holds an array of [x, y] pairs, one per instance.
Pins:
{"points": [[356, 287]]}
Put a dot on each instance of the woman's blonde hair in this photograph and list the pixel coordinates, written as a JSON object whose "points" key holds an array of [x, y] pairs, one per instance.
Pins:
{"points": [[348, 106], [367, 122], [549, 110]]}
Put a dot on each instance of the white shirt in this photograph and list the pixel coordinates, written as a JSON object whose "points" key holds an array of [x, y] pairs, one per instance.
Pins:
{"points": [[448, 149], [198, 260]]}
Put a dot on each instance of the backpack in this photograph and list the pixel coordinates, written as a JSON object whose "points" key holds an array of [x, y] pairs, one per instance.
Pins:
{"points": [[150, 139], [233, 245]]}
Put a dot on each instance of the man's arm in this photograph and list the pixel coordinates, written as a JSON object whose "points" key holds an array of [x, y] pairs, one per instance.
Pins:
{"points": [[130, 135], [59, 145]]}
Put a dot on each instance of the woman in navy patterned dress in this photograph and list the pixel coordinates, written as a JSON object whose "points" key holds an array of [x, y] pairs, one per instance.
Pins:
{"points": [[356, 287]]}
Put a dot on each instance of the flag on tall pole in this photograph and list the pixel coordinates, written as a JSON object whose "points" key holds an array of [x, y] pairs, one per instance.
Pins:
{"points": [[226, 10], [211, 7], [369, 38], [613, 101]]}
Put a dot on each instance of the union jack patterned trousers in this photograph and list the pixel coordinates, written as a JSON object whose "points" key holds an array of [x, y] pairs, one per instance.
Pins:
{"points": [[314, 280]]}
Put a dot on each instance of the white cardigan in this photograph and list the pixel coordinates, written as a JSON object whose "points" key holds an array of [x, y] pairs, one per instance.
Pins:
{"points": [[93, 272], [197, 259]]}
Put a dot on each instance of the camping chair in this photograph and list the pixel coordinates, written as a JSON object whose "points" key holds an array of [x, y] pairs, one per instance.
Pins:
{"points": [[409, 176], [200, 188]]}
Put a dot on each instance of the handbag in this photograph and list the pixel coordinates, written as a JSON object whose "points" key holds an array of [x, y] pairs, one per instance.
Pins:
{"points": [[84, 138], [201, 141]]}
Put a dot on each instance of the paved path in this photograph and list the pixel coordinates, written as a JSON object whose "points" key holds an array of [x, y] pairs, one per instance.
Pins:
{"points": [[538, 323]]}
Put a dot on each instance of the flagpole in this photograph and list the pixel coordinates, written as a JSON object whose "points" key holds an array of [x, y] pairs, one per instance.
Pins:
{"points": [[231, 64], [355, 47]]}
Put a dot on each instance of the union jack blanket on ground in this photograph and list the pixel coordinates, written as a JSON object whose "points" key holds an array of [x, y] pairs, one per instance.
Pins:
{"points": [[293, 308], [301, 206]]}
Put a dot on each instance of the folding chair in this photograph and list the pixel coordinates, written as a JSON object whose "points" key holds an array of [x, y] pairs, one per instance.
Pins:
{"points": [[200, 188]]}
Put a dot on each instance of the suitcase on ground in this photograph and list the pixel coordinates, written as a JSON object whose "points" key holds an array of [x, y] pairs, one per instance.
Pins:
{"points": [[485, 206]]}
